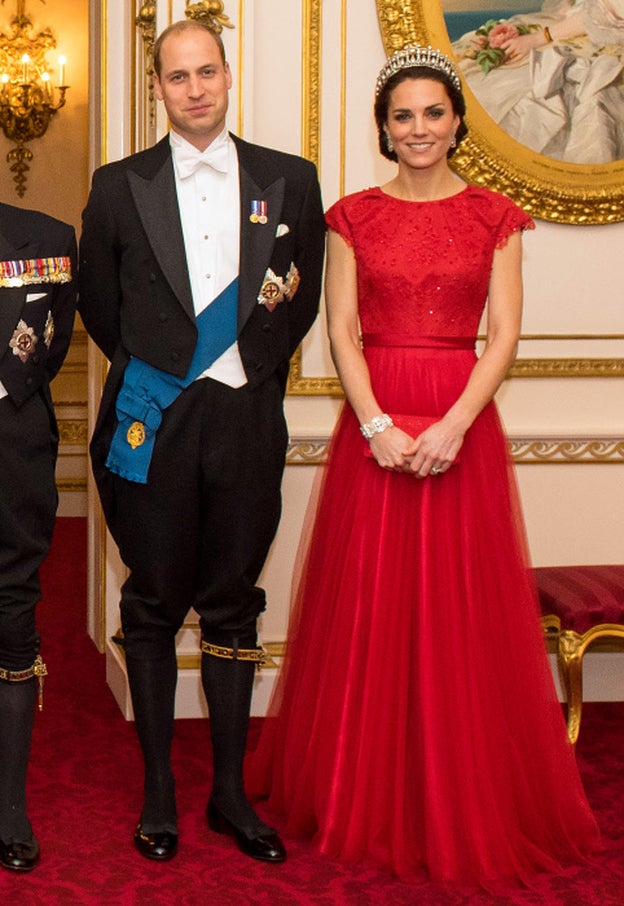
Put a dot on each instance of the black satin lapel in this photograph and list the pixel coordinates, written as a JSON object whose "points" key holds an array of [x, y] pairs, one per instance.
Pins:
{"points": [[157, 204], [257, 239]]}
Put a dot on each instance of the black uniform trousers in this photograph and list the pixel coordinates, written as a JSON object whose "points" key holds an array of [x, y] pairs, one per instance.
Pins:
{"points": [[28, 502], [198, 533]]}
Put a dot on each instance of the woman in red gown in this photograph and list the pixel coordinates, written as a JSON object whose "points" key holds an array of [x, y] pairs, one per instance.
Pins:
{"points": [[416, 726]]}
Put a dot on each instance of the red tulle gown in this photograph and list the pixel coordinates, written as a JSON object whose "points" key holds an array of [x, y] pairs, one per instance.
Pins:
{"points": [[416, 727]]}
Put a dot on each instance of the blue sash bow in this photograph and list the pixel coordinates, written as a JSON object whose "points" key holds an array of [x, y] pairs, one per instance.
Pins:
{"points": [[146, 391]]}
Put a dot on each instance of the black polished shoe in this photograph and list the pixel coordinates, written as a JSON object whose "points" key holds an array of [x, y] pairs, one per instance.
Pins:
{"points": [[159, 846], [18, 856], [265, 847]]}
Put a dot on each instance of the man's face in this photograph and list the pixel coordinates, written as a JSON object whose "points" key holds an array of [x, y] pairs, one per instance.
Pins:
{"points": [[194, 85]]}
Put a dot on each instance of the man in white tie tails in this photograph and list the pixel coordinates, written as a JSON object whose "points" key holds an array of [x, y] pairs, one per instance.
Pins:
{"points": [[201, 264]]}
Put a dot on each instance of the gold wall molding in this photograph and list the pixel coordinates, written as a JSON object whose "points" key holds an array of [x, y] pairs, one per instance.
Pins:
{"points": [[71, 485], [567, 450], [522, 368], [311, 81], [212, 12], [73, 432], [310, 148], [401, 23], [74, 368], [312, 451], [567, 368], [307, 451]]}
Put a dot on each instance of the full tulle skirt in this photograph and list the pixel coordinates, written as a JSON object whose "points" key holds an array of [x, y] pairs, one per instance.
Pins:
{"points": [[415, 727]]}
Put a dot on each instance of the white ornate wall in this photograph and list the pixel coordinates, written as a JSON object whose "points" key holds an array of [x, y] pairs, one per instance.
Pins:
{"points": [[304, 73]]}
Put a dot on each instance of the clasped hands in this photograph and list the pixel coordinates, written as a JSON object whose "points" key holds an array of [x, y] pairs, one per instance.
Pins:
{"points": [[431, 453]]}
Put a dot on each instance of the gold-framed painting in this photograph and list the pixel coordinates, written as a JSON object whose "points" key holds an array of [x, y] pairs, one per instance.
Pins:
{"points": [[547, 130]]}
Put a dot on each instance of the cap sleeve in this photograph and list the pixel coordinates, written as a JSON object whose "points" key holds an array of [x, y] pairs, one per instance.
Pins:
{"points": [[513, 220], [336, 219]]}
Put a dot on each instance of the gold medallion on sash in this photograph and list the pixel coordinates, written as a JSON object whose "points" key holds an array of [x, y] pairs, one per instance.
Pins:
{"points": [[136, 434]]}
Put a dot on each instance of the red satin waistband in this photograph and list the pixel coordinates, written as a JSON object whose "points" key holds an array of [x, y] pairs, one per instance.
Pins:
{"points": [[397, 339]]}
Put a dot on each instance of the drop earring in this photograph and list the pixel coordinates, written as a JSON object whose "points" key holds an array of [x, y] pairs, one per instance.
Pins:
{"points": [[389, 144]]}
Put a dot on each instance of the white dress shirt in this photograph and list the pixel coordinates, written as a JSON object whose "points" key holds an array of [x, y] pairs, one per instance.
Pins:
{"points": [[209, 202]]}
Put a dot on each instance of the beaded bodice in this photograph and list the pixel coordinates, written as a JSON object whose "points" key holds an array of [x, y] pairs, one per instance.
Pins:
{"points": [[423, 268]]}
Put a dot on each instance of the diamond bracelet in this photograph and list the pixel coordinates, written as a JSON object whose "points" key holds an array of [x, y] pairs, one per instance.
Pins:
{"points": [[376, 425]]}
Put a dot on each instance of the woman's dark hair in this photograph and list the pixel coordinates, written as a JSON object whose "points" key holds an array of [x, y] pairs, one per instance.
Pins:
{"points": [[382, 102]]}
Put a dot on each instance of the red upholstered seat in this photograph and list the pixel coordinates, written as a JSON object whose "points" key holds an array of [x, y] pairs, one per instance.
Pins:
{"points": [[582, 596], [580, 604]]}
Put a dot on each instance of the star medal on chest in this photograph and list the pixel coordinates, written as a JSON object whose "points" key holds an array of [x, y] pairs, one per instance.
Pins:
{"points": [[258, 211], [272, 291], [23, 341]]}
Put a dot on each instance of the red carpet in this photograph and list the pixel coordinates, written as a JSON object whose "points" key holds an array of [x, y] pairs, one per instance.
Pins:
{"points": [[85, 796]]}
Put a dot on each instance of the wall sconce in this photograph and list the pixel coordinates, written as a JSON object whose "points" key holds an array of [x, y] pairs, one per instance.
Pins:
{"points": [[28, 100]]}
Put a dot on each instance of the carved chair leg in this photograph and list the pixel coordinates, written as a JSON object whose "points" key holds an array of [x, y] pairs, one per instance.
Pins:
{"points": [[570, 662]]}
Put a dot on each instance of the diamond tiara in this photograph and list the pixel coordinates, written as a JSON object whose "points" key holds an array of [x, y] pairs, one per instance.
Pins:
{"points": [[416, 55]]}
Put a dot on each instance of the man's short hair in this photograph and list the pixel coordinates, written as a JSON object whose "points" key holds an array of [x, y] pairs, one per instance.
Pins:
{"points": [[178, 28]]}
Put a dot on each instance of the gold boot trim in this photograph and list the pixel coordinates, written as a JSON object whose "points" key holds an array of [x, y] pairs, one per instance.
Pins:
{"points": [[38, 669], [257, 655]]}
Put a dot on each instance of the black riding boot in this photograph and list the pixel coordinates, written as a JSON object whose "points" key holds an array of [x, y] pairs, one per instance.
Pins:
{"points": [[227, 678], [152, 687], [18, 848]]}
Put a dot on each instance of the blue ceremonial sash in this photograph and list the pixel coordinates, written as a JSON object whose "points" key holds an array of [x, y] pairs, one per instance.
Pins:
{"points": [[147, 391]]}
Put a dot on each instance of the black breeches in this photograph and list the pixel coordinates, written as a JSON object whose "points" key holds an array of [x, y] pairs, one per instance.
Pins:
{"points": [[28, 500], [198, 533]]}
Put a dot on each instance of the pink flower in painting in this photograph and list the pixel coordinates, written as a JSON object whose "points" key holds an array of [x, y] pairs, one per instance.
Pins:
{"points": [[502, 33]]}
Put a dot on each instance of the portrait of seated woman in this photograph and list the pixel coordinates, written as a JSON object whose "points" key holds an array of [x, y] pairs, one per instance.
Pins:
{"points": [[551, 74]]}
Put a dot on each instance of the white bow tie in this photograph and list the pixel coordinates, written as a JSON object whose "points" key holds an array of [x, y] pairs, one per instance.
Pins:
{"points": [[189, 159]]}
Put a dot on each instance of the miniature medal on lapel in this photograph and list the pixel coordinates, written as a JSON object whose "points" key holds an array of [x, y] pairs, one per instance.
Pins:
{"points": [[259, 211]]}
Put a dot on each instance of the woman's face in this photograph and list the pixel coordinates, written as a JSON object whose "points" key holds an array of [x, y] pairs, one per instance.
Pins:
{"points": [[421, 122]]}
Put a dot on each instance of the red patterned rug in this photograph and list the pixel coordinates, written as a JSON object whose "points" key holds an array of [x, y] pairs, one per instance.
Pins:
{"points": [[85, 796]]}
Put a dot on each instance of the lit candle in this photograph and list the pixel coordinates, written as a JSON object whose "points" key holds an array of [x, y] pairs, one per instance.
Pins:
{"points": [[25, 62], [62, 62], [45, 78]]}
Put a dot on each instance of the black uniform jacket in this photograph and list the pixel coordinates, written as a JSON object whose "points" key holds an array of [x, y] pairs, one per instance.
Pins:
{"points": [[36, 319]]}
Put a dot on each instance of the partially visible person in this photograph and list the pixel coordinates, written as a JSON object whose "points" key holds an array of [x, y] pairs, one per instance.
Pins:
{"points": [[200, 274], [416, 727], [37, 306]]}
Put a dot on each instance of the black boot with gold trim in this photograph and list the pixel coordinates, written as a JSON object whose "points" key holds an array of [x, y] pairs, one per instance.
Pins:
{"points": [[19, 850], [228, 667]]}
